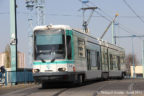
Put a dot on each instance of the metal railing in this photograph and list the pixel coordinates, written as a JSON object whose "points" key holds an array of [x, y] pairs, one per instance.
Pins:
{"points": [[21, 76]]}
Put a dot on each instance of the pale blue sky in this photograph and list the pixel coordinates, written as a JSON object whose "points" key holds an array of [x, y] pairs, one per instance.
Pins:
{"points": [[67, 12]]}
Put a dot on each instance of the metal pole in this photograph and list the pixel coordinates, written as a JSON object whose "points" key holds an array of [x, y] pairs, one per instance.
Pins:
{"points": [[133, 58], [13, 43], [115, 32], [40, 12], [30, 5], [112, 32], [83, 17], [6, 78], [143, 57]]}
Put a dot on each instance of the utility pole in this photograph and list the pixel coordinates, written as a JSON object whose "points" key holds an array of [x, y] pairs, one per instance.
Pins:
{"points": [[40, 15], [114, 33], [13, 42], [134, 76], [132, 36], [29, 6], [143, 57], [40, 11]]}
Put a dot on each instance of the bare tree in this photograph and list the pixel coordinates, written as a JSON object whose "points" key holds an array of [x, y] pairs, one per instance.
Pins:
{"points": [[129, 61]]}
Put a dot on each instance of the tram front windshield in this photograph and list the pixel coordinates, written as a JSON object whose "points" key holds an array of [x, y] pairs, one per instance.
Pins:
{"points": [[49, 44]]}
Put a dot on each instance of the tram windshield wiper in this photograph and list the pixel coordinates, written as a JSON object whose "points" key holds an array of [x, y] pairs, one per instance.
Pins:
{"points": [[52, 60], [43, 61]]}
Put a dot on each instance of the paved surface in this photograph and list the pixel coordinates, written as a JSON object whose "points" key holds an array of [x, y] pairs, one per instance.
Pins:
{"points": [[126, 87], [7, 89]]}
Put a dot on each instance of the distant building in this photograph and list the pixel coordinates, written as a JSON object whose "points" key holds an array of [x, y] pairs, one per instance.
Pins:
{"points": [[2, 59], [138, 71], [21, 59]]}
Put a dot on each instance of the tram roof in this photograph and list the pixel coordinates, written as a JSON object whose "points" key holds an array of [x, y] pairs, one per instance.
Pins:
{"points": [[44, 27], [66, 27]]}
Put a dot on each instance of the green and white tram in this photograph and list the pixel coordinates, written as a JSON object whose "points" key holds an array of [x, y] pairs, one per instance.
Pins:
{"points": [[65, 54]]}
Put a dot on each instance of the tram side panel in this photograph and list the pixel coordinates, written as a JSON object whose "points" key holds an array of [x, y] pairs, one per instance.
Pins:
{"points": [[87, 56], [93, 61], [79, 53], [122, 62], [104, 54], [116, 61]]}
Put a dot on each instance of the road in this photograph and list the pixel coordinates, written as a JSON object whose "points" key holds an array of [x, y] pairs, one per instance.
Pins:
{"points": [[126, 87]]}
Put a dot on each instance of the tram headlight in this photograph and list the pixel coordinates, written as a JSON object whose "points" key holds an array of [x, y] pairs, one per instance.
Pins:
{"points": [[62, 69], [36, 70]]}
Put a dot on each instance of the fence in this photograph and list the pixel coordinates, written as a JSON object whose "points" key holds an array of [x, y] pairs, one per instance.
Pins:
{"points": [[21, 77]]}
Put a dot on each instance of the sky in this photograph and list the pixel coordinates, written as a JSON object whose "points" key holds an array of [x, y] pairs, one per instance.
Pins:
{"points": [[67, 12]]}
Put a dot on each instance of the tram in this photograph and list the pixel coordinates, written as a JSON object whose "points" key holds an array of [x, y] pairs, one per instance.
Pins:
{"points": [[62, 53]]}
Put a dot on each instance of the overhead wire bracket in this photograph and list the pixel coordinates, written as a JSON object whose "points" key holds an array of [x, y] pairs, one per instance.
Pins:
{"points": [[86, 22]]}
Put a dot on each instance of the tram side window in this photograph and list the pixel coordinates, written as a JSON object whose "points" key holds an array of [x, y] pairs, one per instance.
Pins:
{"points": [[118, 62], [69, 49], [93, 58], [81, 48], [98, 60], [115, 62], [88, 60], [111, 62], [122, 60]]}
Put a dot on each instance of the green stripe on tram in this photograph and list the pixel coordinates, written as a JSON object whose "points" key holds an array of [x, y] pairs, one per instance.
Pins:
{"points": [[56, 62]]}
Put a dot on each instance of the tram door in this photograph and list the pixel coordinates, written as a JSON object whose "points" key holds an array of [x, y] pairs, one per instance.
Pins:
{"points": [[88, 60]]}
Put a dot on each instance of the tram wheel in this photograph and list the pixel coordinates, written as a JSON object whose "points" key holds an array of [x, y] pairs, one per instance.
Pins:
{"points": [[80, 80]]}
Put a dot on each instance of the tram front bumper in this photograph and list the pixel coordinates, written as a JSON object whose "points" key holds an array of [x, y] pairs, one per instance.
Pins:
{"points": [[55, 76]]}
